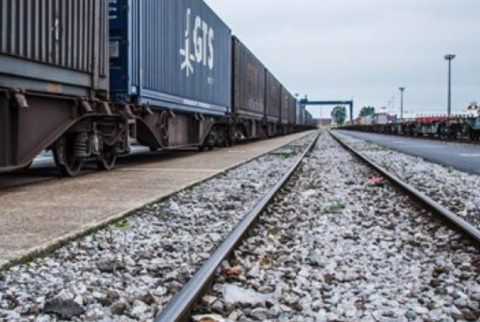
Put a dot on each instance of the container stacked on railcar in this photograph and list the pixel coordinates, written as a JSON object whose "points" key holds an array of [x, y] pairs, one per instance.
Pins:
{"points": [[178, 79], [273, 103], [54, 85], [292, 114], [174, 59], [249, 88], [285, 110]]}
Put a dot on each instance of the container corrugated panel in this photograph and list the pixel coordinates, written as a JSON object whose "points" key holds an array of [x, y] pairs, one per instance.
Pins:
{"points": [[292, 110], [170, 54], [284, 113], [248, 83], [62, 43], [273, 97]]}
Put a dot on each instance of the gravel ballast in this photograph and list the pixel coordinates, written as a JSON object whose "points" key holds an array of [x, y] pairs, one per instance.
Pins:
{"points": [[339, 246], [456, 190], [130, 270]]}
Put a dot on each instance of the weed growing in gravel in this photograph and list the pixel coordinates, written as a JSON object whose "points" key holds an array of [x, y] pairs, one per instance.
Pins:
{"points": [[110, 235], [335, 208], [122, 224], [30, 265]]}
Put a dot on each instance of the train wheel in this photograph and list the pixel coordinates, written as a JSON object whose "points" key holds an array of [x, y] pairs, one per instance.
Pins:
{"points": [[107, 160], [65, 159]]}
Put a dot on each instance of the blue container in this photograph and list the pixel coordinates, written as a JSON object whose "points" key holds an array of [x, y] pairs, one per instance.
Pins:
{"points": [[172, 54]]}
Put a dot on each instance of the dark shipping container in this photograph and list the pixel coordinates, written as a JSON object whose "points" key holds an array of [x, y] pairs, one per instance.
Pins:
{"points": [[248, 83], [170, 53], [273, 98], [284, 113], [54, 46], [292, 111]]}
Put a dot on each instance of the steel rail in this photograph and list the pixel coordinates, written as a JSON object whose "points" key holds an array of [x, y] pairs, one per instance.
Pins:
{"points": [[459, 224], [179, 308]]}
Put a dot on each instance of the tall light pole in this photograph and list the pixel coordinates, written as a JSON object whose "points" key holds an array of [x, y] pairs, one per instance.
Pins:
{"points": [[450, 58], [402, 89]]}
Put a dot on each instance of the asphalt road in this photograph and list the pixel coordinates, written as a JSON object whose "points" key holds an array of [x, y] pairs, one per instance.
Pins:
{"points": [[464, 157]]}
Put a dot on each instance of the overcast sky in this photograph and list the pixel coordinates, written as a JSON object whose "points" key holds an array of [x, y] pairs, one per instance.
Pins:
{"points": [[365, 49]]}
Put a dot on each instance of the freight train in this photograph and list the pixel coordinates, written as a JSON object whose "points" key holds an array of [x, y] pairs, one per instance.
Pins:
{"points": [[87, 79], [465, 125]]}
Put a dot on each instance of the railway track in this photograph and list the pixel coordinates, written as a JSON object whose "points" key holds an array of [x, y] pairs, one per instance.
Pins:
{"points": [[318, 237], [459, 224], [213, 308], [180, 307], [454, 187], [129, 270]]}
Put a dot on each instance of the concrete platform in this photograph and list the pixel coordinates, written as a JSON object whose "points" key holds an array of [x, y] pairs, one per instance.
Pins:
{"points": [[463, 157], [35, 219]]}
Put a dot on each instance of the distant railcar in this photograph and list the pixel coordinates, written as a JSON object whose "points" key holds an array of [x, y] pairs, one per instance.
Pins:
{"points": [[249, 86], [286, 111], [439, 126], [273, 103]]}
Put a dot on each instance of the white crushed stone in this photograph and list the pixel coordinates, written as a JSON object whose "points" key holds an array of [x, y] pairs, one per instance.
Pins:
{"points": [[129, 271], [334, 248], [456, 190]]}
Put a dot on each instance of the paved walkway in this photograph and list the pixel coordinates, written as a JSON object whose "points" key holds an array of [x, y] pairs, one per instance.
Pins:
{"points": [[464, 157], [37, 217]]}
